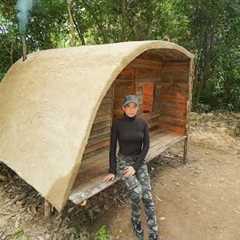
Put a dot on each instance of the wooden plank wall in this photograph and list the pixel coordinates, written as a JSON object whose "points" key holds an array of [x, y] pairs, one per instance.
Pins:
{"points": [[173, 96], [100, 132], [133, 80], [148, 92], [123, 85], [169, 100], [147, 72]]}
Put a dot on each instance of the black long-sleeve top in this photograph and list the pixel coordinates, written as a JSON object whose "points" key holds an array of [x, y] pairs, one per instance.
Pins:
{"points": [[132, 133]]}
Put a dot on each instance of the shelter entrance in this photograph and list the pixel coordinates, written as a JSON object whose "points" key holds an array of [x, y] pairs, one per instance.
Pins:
{"points": [[160, 78]]}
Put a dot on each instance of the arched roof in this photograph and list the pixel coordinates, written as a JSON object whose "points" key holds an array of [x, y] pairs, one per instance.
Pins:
{"points": [[48, 104]]}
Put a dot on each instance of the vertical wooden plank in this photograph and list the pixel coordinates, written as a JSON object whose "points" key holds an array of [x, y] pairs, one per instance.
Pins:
{"points": [[156, 97], [188, 110], [148, 92]]}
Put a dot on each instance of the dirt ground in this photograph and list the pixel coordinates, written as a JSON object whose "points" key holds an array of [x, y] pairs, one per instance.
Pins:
{"points": [[196, 201]]}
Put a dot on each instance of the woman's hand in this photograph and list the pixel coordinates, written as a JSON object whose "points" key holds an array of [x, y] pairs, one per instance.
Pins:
{"points": [[109, 177], [129, 171]]}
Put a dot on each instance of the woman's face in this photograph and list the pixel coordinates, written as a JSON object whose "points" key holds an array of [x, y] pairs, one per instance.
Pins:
{"points": [[130, 109]]}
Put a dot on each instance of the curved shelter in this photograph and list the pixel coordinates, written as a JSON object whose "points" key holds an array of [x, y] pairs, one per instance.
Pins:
{"points": [[57, 107]]}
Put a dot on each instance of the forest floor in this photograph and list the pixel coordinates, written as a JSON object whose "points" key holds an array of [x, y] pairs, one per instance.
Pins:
{"points": [[199, 200]]}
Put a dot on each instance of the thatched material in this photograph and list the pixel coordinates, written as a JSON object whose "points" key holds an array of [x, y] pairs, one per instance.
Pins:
{"points": [[48, 104]]}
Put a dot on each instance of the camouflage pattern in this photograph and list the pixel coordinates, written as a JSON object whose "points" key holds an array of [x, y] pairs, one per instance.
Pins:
{"points": [[139, 187]]}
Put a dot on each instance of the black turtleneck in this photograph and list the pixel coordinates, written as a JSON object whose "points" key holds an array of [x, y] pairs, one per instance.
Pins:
{"points": [[132, 134]]}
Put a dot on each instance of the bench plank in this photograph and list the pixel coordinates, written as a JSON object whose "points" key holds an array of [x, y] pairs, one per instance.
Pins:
{"points": [[90, 178]]}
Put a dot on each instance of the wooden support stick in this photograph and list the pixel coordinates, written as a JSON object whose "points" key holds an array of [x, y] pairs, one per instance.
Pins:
{"points": [[24, 46], [188, 110], [185, 151], [48, 209]]}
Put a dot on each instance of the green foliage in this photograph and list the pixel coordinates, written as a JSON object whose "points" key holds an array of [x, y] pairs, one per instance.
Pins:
{"points": [[215, 38], [209, 29], [102, 233], [19, 235]]}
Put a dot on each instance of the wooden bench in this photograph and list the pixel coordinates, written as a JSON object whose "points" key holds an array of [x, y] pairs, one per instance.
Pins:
{"points": [[90, 177]]}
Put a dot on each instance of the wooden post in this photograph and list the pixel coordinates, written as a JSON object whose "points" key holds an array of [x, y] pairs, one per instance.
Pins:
{"points": [[185, 151], [188, 110], [48, 208]]}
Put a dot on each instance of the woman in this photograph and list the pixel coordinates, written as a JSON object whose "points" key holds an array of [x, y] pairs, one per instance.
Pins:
{"points": [[132, 134]]}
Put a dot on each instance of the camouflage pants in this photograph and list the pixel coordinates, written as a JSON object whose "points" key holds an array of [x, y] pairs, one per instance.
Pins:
{"points": [[139, 187]]}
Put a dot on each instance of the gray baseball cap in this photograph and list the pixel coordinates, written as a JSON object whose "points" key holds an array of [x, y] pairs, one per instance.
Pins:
{"points": [[130, 98]]}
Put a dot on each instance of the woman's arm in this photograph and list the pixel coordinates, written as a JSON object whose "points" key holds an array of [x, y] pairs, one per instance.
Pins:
{"points": [[113, 148], [139, 159]]}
